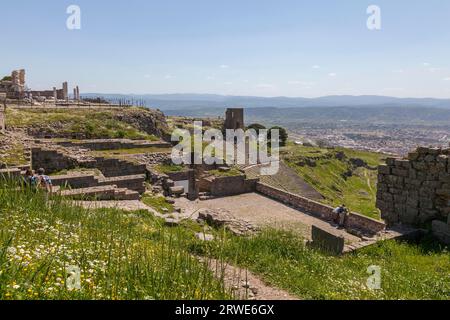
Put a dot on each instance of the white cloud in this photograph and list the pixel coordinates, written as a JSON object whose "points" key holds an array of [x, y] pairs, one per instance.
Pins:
{"points": [[316, 67], [398, 71], [224, 66], [265, 86], [168, 76], [446, 79], [393, 89], [426, 64], [332, 74], [228, 83], [302, 83], [210, 78], [147, 76]]}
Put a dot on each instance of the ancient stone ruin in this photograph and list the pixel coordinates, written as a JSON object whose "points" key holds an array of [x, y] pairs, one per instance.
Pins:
{"points": [[234, 119], [416, 190]]}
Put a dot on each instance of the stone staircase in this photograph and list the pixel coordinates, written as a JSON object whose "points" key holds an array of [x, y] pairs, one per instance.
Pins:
{"points": [[87, 185]]}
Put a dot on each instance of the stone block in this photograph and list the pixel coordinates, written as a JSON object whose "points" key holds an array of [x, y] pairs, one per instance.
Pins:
{"points": [[441, 231], [327, 240], [384, 170], [400, 172]]}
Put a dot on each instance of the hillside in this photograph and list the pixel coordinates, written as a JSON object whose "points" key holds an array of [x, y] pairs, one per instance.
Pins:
{"points": [[189, 101], [340, 175], [99, 123]]}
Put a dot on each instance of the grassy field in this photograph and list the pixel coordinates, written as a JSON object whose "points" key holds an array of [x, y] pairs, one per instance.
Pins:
{"points": [[336, 178], [119, 255], [124, 255], [407, 271], [92, 123]]}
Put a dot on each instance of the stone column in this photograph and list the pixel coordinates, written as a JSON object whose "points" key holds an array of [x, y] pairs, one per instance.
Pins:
{"points": [[75, 94], [65, 91], [78, 93], [55, 94]]}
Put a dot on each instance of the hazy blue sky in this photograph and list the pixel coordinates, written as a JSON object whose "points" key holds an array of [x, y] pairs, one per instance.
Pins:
{"points": [[240, 47]]}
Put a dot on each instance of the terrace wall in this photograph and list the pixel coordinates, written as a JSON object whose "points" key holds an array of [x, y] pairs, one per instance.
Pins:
{"points": [[354, 221]]}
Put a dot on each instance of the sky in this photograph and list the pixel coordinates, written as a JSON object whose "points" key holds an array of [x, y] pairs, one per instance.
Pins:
{"points": [[297, 48]]}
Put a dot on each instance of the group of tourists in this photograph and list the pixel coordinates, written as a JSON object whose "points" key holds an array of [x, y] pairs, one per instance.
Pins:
{"points": [[38, 180]]}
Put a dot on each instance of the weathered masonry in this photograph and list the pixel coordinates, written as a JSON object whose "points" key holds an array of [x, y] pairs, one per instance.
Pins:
{"points": [[234, 119], [416, 190]]}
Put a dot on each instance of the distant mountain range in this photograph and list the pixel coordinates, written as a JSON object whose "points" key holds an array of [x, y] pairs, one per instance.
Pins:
{"points": [[193, 101]]}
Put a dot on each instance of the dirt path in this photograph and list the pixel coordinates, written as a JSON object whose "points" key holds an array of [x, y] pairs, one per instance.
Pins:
{"points": [[244, 284]]}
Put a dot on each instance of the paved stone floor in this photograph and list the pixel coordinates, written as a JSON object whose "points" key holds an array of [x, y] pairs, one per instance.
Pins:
{"points": [[263, 211]]}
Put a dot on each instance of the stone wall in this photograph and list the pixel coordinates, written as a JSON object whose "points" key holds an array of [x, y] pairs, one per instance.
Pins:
{"points": [[355, 221], [115, 167], [417, 189], [113, 144], [229, 186], [53, 161]]}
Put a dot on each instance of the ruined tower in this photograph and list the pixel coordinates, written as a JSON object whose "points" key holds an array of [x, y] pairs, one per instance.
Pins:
{"points": [[234, 119]]}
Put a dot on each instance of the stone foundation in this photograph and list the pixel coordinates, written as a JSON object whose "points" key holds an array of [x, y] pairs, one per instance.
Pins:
{"points": [[230, 186], [415, 190]]}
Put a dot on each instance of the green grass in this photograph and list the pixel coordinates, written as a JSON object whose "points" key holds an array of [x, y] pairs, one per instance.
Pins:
{"points": [[233, 172], [132, 151], [168, 168], [281, 259], [94, 171], [124, 255], [93, 124], [327, 176], [14, 156], [158, 203], [120, 255]]}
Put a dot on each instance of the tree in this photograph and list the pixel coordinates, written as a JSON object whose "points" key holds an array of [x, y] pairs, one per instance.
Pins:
{"points": [[282, 134], [257, 127]]}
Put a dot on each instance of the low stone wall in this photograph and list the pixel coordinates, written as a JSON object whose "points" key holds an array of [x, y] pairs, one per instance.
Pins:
{"points": [[114, 144], [327, 240], [114, 167], [229, 186], [417, 189], [355, 221], [51, 160]]}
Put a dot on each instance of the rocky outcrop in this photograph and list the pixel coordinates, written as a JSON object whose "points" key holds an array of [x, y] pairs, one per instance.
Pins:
{"points": [[149, 121]]}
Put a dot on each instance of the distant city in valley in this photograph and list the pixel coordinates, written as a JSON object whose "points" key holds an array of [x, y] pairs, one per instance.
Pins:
{"points": [[374, 123]]}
